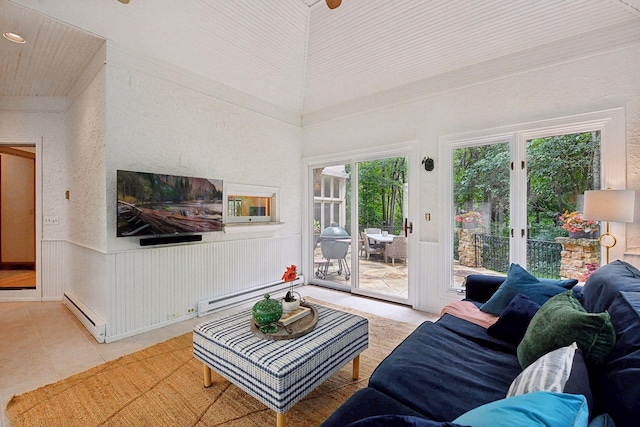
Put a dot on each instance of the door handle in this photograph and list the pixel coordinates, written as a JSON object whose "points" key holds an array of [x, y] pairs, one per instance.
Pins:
{"points": [[407, 226]]}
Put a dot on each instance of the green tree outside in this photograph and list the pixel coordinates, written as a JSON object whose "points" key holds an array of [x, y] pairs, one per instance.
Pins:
{"points": [[559, 169], [381, 193]]}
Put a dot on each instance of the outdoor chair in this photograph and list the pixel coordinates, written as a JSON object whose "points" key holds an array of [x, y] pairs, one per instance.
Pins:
{"points": [[396, 249], [373, 231], [368, 249]]}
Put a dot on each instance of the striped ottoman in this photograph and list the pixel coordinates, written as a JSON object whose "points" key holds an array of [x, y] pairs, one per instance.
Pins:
{"points": [[280, 373]]}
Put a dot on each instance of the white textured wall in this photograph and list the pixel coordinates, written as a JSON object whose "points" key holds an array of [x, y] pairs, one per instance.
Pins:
{"points": [[156, 125], [86, 167], [134, 117], [600, 82], [50, 127], [150, 123]]}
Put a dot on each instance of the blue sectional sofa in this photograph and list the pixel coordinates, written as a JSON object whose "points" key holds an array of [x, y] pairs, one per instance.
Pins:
{"points": [[454, 372]]}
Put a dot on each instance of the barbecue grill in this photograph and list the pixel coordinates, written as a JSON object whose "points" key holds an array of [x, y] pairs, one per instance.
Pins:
{"points": [[334, 243]]}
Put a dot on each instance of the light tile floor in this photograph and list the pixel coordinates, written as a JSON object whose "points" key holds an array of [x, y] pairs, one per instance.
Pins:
{"points": [[42, 342]]}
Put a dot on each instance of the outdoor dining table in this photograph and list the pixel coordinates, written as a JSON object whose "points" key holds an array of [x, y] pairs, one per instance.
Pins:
{"points": [[381, 238]]}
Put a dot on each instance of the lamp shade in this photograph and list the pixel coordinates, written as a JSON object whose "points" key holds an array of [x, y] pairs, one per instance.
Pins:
{"points": [[609, 205]]}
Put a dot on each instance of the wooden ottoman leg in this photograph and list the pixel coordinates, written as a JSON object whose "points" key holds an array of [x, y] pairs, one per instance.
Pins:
{"points": [[207, 376], [281, 420], [356, 367]]}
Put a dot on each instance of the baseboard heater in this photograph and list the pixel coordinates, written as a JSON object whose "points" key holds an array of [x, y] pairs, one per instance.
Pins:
{"points": [[87, 317], [225, 301]]}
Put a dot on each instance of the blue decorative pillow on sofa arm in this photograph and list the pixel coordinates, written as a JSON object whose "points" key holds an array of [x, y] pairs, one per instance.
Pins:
{"points": [[519, 281]]}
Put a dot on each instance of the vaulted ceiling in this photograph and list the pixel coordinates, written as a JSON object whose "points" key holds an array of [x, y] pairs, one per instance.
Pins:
{"points": [[299, 55]]}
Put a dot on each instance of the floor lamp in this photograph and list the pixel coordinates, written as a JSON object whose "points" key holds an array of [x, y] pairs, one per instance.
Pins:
{"points": [[609, 205]]}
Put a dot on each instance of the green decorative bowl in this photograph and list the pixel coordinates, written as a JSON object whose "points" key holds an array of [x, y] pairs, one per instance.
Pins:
{"points": [[266, 312]]}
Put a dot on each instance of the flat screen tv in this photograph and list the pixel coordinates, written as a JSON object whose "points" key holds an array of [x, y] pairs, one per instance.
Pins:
{"points": [[152, 204]]}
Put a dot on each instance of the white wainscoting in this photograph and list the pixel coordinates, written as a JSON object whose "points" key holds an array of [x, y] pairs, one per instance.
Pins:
{"points": [[432, 292], [53, 270], [148, 288]]}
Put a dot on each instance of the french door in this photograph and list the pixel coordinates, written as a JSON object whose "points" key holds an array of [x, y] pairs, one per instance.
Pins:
{"points": [[510, 195], [359, 216]]}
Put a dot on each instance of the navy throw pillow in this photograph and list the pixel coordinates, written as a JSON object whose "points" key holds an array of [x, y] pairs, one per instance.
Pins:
{"points": [[514, 320]]}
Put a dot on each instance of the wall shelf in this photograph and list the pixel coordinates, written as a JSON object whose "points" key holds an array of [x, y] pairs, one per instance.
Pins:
{"points": [[251, 227]]}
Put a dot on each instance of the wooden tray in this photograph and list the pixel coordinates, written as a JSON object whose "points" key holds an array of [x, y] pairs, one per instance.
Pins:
{"points": [[293, 330]]}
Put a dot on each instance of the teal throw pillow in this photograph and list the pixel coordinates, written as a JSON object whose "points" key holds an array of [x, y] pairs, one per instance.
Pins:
{"points": [[540, 408], [564, 283], [562, 321], [519, 281]]}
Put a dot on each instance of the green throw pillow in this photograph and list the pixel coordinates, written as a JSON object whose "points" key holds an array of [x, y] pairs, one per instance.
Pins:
{"points": [[561, 321]]}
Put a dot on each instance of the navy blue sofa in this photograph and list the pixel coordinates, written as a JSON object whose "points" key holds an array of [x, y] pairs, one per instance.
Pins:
{"points": [[449, 367]]}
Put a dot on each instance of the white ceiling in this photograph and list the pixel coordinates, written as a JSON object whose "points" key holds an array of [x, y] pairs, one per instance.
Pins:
{"points": [[297, 54]]}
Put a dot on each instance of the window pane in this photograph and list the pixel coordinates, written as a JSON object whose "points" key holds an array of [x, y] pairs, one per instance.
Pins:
{"points": [[559, 170], [327, 186], [481, 209], [327, 215], [249, 206]]}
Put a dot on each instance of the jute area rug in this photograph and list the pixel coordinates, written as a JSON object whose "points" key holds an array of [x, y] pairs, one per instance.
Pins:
{"points": [[162, 385]]}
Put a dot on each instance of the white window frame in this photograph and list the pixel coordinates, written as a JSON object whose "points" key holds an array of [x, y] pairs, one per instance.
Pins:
{"points": [[331, 200], [252, 191]]}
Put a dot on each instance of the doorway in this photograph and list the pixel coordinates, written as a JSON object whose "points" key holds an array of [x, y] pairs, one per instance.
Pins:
{"points": [[359, 213], [18, 217]]}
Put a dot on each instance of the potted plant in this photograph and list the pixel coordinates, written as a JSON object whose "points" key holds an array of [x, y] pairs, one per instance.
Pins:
{"points": [[578, 227], [471, 219], [290, 303]]}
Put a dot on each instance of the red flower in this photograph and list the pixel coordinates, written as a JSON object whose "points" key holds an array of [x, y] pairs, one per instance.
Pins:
{"points": [[291, 274]]}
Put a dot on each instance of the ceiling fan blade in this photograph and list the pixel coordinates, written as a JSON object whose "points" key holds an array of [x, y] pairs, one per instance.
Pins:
{"points": [[124, 1], [332, 4]]}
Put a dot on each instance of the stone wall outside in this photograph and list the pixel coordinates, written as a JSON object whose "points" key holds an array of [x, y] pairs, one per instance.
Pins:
{"points": [[576, 254]]}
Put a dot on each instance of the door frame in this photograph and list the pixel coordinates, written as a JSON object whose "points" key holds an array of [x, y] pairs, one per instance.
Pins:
{"points": [[30, 294], [407, 149]]}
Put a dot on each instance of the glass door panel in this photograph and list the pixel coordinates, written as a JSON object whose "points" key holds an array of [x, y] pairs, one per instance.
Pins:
{"points": [[382, 209], [331, 243], [559, 170], [481, 197]]}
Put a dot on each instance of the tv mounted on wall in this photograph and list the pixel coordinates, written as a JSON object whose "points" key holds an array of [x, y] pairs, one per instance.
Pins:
{"points": [[152, 204]]}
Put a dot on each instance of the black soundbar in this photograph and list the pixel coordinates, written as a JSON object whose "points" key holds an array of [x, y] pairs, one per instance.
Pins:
{"points": [[171, 239]]}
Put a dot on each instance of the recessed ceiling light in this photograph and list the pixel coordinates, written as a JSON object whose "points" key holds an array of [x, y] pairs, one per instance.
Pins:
{"points": [[13, 37]]}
